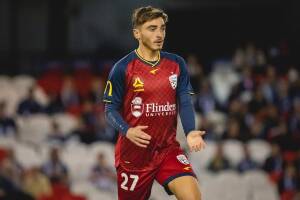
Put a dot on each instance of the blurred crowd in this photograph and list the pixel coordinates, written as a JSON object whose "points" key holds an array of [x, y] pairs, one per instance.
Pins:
{"points": [[255, 94]]}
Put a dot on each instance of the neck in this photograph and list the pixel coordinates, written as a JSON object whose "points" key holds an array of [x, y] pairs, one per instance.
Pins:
{"points": [[148, 54]]}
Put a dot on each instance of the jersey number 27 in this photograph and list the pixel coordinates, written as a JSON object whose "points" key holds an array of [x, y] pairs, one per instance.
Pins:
{"points": [[125, 181]]}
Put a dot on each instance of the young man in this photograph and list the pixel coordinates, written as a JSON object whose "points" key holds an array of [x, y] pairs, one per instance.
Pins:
{"points": [[144, 92]]}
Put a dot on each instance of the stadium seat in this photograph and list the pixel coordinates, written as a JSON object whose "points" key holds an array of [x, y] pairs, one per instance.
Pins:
{"points": [[11, 98], [7, 142], [218, 121], [5, 81], [259, 150], [97, 194], [233, 150], [255, 178], [34, 128], [75, 155], [259, 186], [107, 148], [66, 122], [229, 180], [222, 80], [23, 82], [27, 156]]}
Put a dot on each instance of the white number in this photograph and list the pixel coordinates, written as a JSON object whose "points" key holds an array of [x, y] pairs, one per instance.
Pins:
{"points": [[123, 185], [134, 182]]}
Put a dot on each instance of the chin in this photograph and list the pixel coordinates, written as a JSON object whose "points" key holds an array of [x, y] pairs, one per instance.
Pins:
{"points": [[157, 48]]}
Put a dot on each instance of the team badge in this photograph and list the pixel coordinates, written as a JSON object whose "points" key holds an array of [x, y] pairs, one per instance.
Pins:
{"points": [[173, 80], [137, 107], [182, 158], [138, 85]]}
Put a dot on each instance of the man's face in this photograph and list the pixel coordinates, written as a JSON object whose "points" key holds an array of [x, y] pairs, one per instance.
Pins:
{"points": [[151, 34]]}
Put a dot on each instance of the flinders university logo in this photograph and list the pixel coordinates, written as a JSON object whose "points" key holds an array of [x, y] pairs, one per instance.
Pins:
{"points": [[137, 107], [173, 80], [151, 109]]}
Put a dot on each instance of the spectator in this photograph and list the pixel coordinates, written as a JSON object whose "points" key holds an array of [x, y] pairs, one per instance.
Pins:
{"points": [[269, 84], [55, 169], [233, 130], [69, 95], [56, 135], [104, 131], [7, 123], [102, 175], [247, 163], [36, 183], [274, 163], [294, 120], [96, 90], [29, 105], [10, 179], [87, 131], [205, 101], [258, 103], [219, 162], [195, 70], [288, 183], [55, 104]]}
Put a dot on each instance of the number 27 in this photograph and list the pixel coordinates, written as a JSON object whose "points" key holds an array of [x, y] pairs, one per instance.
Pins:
{"points": [[134, 182]]}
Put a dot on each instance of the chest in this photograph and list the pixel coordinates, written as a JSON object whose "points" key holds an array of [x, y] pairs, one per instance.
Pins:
{"points": [[144, 79]]}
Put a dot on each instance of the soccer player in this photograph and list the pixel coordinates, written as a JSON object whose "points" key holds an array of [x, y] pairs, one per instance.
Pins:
{"points": [[144, 93]]}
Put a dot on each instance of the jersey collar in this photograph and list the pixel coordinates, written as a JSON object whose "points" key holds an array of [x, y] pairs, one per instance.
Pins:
{"points": [[152, 64]]}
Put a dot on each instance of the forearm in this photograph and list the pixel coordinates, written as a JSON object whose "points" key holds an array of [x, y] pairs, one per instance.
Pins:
{"points": [[114, 118], [186, 113]]}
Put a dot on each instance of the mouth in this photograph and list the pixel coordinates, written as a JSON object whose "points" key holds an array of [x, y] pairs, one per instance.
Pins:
{"points": [[159, 42]]}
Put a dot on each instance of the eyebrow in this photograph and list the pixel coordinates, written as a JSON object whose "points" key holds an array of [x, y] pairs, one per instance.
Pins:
{"points": [[155, 26], [152, 26]]}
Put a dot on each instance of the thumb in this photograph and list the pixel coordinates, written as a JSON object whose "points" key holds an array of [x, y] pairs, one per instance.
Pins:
{"points": [[202, 132]]}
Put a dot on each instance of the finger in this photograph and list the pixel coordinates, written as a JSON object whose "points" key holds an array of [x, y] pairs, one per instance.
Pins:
{"points": [[202, 132], [198, 148], [192, 148], [142, 127], [140, 145], [142, 141], [144, 135]]}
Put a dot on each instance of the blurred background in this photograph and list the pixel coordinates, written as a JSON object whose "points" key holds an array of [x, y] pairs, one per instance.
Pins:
{"points": [[243, 60]]}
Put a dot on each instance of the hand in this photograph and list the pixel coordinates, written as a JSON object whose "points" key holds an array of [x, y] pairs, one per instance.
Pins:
{"points": [[138, 136], [195, 140]]}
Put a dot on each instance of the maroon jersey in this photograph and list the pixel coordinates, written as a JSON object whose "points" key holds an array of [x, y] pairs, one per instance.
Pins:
{"points": [[146, 94]]}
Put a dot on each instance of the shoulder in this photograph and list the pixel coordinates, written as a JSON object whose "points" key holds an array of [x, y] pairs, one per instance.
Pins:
{"points": [[172, 56], [122, 64]]}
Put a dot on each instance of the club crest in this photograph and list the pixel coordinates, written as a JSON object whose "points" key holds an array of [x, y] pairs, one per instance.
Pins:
{"points": [[182, 158], [173, 80]]}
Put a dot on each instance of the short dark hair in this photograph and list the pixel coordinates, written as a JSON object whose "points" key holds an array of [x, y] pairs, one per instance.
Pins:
{"points": [[144, 14]]}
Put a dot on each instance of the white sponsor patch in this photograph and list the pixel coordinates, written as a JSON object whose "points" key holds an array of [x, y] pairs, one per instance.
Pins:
{"points": [[182, 158], [173, 81]]}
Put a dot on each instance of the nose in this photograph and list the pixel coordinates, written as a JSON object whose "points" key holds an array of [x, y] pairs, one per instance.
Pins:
{"points": [[160, 34]]}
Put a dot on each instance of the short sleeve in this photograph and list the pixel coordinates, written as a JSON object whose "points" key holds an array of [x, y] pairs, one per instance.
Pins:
{"points": [[115, 85], [184, 84]]}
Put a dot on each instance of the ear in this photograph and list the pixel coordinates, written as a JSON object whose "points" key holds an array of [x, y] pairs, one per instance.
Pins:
{"points": [[136, 33]]}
